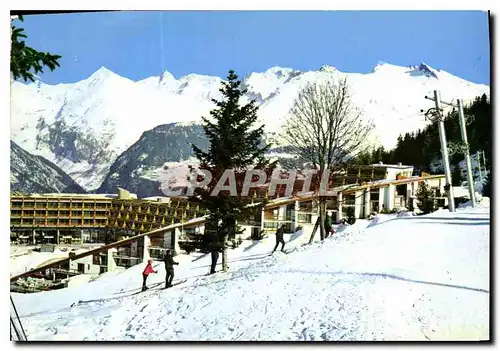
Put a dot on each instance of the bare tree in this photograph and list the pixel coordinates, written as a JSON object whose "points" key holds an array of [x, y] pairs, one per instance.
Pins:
{"points": [[325, 129]]}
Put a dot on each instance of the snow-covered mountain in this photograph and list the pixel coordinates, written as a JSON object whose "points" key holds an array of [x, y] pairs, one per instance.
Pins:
{"points": [[137, 169], [83, 127], [34, 174]]}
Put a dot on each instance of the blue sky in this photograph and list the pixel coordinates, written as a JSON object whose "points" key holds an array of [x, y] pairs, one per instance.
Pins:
{"points": [[141, 44]]}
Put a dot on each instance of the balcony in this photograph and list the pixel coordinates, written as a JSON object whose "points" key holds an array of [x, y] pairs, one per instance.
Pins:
{"points": [[304, 217], [250, 223]]}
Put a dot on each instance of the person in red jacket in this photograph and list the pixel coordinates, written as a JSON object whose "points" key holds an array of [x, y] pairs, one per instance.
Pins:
{"points": [[147, 271]]}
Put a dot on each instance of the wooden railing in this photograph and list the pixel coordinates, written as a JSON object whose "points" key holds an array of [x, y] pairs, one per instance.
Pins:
{"points": [[58, 263]]}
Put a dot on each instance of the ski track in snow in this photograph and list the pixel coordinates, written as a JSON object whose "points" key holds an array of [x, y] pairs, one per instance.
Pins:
{"points": [[412, 278]]}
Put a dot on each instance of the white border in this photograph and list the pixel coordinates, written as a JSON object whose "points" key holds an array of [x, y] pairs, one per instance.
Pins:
{"points": [[190, 5]]}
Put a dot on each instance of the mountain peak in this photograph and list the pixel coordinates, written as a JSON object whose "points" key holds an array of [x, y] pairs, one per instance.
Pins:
{"points": [[166, 76], [279, 72], [424, 69], [327, 68], [382, 65], [102, 73]]}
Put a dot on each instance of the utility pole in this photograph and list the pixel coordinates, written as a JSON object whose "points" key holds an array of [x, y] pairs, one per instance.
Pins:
{"points": [[478, 159], [484, 161], [463, 131], [444, 151]]}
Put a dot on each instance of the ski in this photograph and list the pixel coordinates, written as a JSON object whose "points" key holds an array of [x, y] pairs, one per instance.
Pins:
{"points": [[175, 284]]}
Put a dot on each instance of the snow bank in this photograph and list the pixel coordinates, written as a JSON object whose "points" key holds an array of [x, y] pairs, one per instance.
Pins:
{"points": [[412, 278], [481, 202], [381, 218]]}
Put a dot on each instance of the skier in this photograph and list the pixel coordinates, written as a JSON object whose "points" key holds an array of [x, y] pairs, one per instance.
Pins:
{"points": [[213, 246], [147, 271], [279, 238], [215, 256], [328, 225], [332, 230], [169, 268]]}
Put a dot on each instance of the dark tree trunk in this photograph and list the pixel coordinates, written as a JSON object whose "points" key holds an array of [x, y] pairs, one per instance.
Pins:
{"points": [[316, 225], [322, 213], [224, 260]]}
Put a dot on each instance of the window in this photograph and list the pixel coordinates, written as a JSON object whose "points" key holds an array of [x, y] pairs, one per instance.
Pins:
{"points": [[304, 217], [401, 189], [81, 267], [349, 200]]}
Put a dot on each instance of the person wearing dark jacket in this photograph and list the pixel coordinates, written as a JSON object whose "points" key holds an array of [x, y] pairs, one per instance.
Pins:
{"points": [[328, 225], [215, 256], [279, 238], [147, 271], [169, 268]]}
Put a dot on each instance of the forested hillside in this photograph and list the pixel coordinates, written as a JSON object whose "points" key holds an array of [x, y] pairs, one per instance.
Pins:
{"points": [[422, 149]]}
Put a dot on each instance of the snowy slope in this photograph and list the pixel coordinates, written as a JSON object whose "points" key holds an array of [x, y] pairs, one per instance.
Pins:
{"points": [[84, 126], [410, 278], [35, 174]]}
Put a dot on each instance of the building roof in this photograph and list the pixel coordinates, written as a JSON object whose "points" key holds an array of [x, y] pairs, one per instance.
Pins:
{"points": [[92, 196], [157, 198], [398, 166], [384, 183], [461, 191]]}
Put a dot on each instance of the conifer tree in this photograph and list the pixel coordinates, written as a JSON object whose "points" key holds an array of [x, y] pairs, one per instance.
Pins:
{"points": [[234, 144], [24, 60], [487, 186], [426, 200], [456, 175]]}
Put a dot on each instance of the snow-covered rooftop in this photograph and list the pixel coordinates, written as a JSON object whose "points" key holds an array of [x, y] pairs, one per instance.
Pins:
{"points": [[74, 195], [384, 165]]}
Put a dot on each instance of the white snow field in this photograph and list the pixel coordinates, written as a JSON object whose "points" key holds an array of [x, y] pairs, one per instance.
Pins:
{"points": [[404, 278]]}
